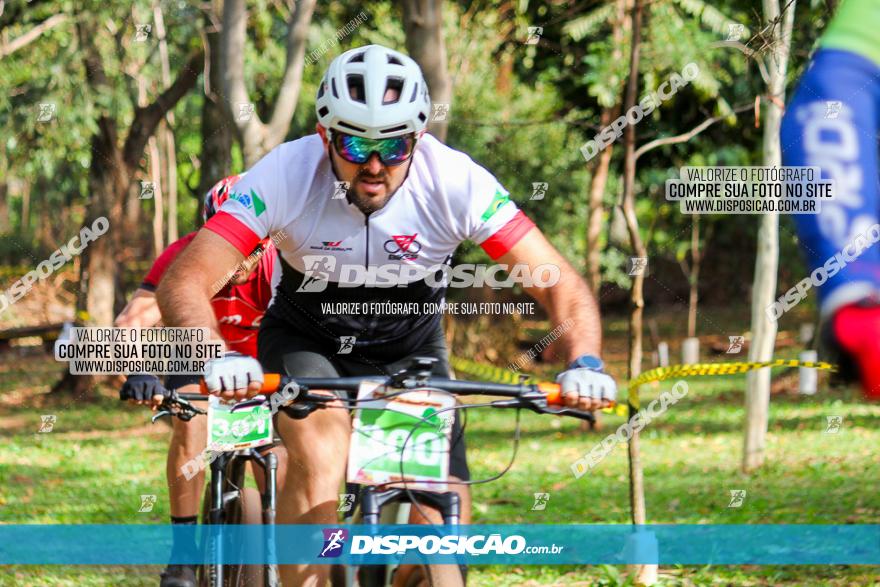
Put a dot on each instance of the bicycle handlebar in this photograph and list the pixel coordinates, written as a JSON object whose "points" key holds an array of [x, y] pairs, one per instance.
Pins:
{"points": [[534, 396]]}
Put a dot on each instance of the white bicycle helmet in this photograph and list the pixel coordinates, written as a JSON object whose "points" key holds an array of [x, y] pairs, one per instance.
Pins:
{"points": [[351, 97]]}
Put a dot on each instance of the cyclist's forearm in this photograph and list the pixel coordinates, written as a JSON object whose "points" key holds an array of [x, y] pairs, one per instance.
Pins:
{"points": [[574, 315], [185, 304]]}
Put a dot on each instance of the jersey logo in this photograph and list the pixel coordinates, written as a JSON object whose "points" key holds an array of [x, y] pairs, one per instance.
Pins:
{"points": [[251, 202], [330, 246], [497, 202], [403, 247]]}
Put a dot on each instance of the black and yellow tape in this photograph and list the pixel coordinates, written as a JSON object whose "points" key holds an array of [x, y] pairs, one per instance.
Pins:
{"points": [[500, 375]]}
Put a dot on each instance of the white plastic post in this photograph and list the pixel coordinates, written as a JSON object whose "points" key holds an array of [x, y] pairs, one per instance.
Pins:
{"points": [[806, 332], [808, 378], [690, 351], [663, 354]]}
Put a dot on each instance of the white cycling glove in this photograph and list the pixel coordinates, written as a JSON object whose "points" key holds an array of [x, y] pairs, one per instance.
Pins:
{"points": [[588, 383], [232, 371]]}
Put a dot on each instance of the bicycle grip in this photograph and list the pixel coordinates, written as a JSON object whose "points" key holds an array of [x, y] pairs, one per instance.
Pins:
{"points": [[553, 391], [271, 383]]}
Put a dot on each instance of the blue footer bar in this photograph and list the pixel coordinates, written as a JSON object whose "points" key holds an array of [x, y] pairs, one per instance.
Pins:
{"points": [[758, 544]]}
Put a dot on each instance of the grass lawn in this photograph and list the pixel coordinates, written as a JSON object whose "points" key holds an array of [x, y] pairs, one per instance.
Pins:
{"points": [[102, 456]]}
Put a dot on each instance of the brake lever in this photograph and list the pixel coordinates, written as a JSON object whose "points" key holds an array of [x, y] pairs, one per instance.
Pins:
{"points": [[160, 414], [541, 407]]}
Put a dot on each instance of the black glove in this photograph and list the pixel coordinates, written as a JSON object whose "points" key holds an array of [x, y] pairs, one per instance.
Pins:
{"points": [[141, 388]]}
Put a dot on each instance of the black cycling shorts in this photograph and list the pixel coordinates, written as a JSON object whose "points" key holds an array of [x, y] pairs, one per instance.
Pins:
{"points": [[281, 350]]}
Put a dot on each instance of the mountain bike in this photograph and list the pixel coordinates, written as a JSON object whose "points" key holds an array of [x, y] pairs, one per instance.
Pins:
{"points": [[378, 496], [226, 500]]}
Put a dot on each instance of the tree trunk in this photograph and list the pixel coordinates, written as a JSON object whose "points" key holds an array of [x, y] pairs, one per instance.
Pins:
{"points": [[4, 206], [645, 574], [423, 24], [24, 228], [158, 199], [258, 138], [596, 210], [694, 276], [767, 260], [600, 173], [166, 132], [216, 133]]}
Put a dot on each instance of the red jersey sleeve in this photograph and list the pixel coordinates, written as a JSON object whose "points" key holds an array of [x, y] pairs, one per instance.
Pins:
{"points": [[163, 262]]}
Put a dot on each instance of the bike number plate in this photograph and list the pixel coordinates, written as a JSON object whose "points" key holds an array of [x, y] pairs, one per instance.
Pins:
{"points": [[245, 428], [379, 438]]}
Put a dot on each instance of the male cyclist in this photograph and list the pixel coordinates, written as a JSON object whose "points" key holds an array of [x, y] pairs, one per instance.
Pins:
{"points": [[239, 307], [832, 123], [407, 201]]}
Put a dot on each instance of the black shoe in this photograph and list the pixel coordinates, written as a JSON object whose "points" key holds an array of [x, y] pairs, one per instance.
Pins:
{"points": [[179, 576]]}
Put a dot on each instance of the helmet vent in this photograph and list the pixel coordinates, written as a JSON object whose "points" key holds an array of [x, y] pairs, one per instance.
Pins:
{"points": [[415, 92], [321, 89], [394, 85], [359, 58], [356, 89], [351, 126], [333, 84], [394, 60], [323, 111], [398, 128], [422, 116]]}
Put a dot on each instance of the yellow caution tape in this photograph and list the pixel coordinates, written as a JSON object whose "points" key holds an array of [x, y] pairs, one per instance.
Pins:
{"points": [[500, 375]]}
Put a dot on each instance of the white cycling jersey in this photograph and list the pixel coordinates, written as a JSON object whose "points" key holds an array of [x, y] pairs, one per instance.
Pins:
{"points": [[326, 245]]}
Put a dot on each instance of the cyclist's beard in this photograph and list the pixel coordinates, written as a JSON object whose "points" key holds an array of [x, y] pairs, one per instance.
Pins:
{"points": [[366, 202]]}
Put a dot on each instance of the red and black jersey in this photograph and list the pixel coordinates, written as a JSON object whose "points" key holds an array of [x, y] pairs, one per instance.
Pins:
{"points": [[238, 308]]}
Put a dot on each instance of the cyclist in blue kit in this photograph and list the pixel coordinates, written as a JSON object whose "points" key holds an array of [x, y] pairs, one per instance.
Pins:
{"points": [[832, 123]]}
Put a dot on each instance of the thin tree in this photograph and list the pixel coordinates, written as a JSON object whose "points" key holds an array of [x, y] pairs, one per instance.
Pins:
{"points": [[776, 37], [645, 574], [423, 23]]}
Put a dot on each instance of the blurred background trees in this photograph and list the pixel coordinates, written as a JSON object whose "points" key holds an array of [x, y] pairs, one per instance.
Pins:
{"points": [[109, 107]]}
